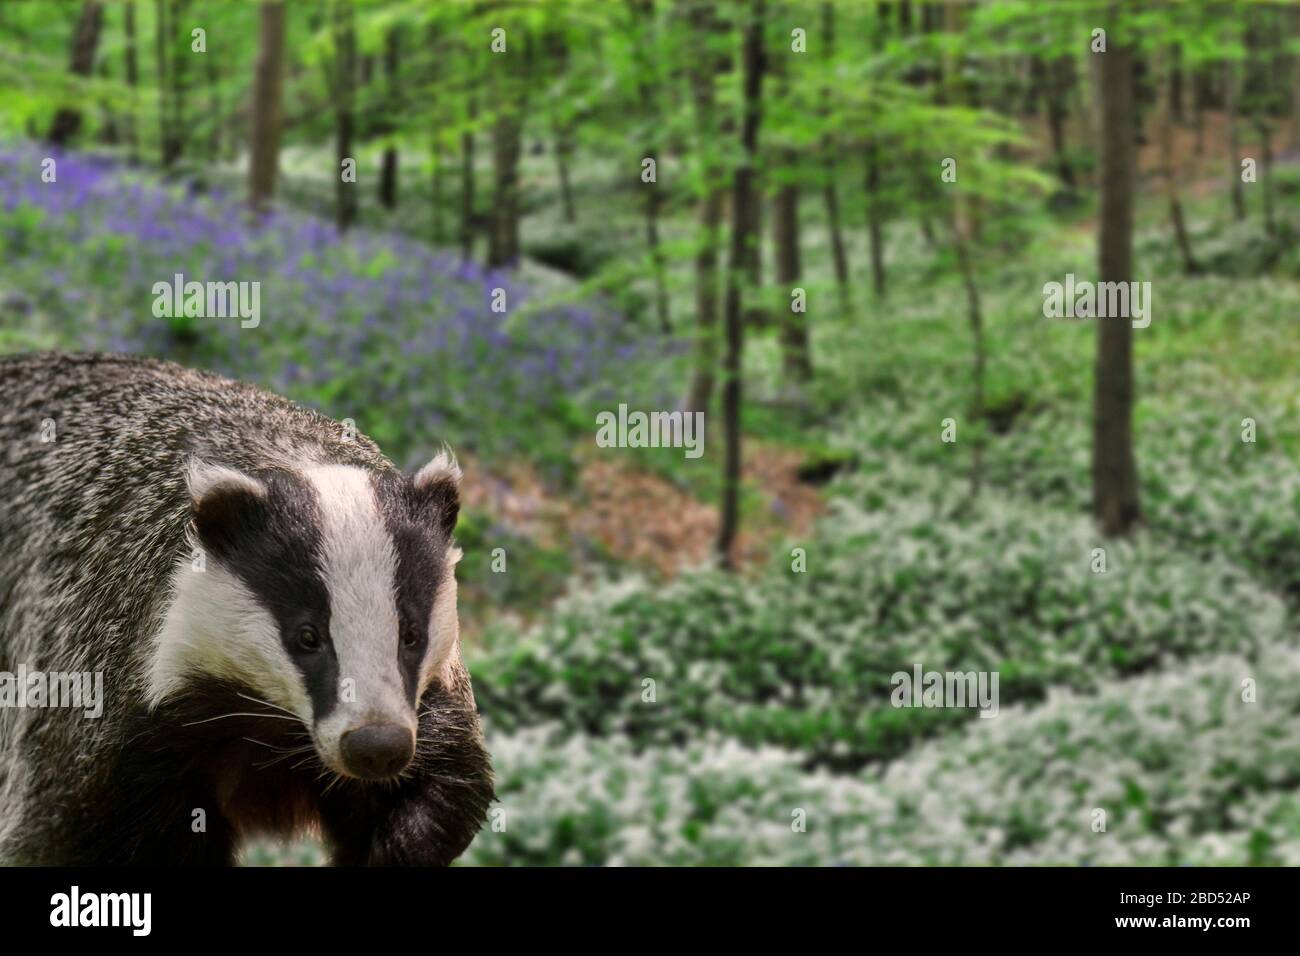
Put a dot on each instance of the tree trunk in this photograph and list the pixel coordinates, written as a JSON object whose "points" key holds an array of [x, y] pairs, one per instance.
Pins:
{"points": [[108, 133], [467, 184], [742, 228], [388, 171], [562, 128], [1175, 103], [706, 302], [133, 84], [1266, 64], [214, 104], [436, 185], [343, 83], [85, 39], [1231, 89], [701, 69], [1035, 87], [652, 203], [963, 222], [830, 194], [796, 358], [268, 107], [756, 311], [1168, 164], [1200, 102], [503, 241], [175, 146], [1114, 470], [1060, 79], [653, 197], [563, 152], [1295, 84], [1265, 129], [510, 87], [975, 316], [160, 59]]}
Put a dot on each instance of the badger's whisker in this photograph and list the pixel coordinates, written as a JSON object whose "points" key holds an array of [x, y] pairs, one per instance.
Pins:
{"points": [[254, 740], [284, 756], [267, 703], [208, 720]]}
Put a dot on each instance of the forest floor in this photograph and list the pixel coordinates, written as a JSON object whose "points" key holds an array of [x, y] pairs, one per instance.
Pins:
{"points": [[643, 518]]}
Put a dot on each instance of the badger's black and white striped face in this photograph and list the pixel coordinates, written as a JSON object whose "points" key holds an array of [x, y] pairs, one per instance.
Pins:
{"points": [[328, 591]]}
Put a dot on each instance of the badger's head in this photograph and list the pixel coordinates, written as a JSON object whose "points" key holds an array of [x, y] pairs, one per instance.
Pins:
{"points": [[330, 592]]}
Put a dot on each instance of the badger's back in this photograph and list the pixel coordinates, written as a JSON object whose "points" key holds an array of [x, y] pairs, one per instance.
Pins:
{"points": [[94, 509]]}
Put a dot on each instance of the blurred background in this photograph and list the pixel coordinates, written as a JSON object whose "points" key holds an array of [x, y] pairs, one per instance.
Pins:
{"points": [[828, 227]]}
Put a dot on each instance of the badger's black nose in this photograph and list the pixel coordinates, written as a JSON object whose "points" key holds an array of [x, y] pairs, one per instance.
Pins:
{"points": [[377, 750]]}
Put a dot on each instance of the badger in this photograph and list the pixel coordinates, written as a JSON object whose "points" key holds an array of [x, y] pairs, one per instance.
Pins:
{"points": [[272, 607]]}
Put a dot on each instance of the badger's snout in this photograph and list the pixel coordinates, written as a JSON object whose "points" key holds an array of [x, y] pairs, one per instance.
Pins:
{"points": [[376, 751]]}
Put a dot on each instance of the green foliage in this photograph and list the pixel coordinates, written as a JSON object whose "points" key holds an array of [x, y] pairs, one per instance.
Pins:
{"points": [[805, 660], [1024, 789]]}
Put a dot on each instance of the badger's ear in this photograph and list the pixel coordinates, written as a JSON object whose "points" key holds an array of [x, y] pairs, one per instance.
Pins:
{"points": [[225, 504], [437, 489]]}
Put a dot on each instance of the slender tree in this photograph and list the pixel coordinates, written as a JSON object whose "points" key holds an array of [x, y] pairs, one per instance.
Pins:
{"points": [[85, 40], [164, 87], [1059, 78], [467, 215], [961, 221], [268, 107], [830, 190], [643, 11], [342, 72], [562, 130], [132, 81], [1295, 81], [1114, 470], [796, 354], [1169, 164], [1231, 97], [212, 76], [178, 77], [702, 69], [510, 75], [796, 358], [744, 228], [507, 136], [1264, 101], [388, 169]]}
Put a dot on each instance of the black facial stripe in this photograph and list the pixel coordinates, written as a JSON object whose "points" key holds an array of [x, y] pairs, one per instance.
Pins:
{"points": [[273, 545], [421, 548]]}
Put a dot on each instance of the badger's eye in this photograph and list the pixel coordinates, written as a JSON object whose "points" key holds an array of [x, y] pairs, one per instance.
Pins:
{"points": [[308, 638], [412, 639]]}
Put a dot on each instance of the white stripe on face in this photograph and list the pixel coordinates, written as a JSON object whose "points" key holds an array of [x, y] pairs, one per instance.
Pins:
{"points": [[216, 627], [444, 628], [359, 566]]}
